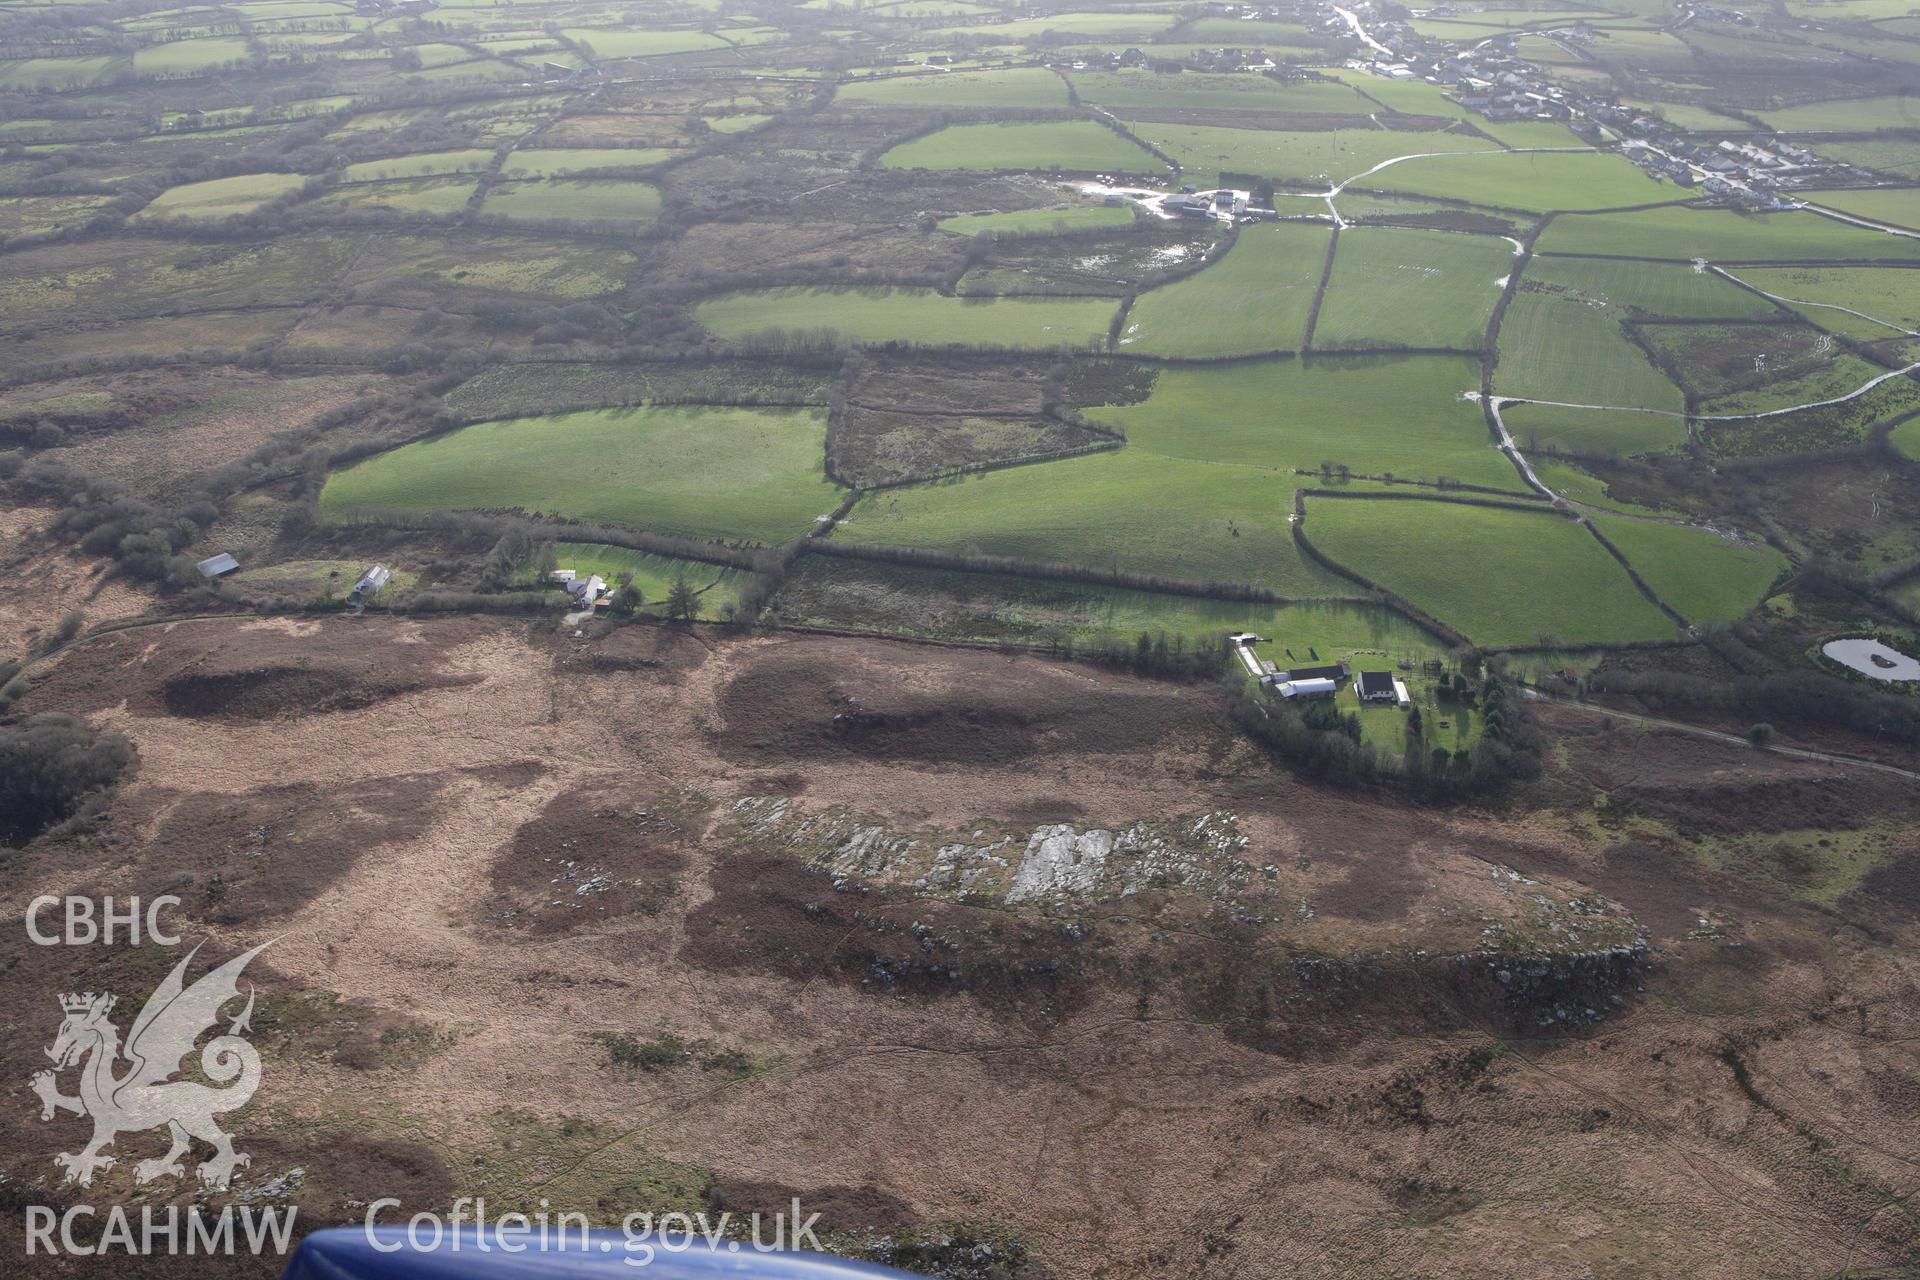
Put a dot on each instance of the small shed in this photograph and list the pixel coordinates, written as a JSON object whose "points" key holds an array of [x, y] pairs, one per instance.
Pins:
{"points": [[370, 583], [217, 566]]}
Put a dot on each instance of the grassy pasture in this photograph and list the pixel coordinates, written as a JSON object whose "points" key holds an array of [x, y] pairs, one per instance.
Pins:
{"points": [[160, 336], [56, 73], [923, 316], [1830, 426], [1847, 115], [1532, 180], [1126, 509], [1393, 286], [1253, 300], [1905, 439], [717, 584], [1038, 222], [1580, 485], [1807, 375], [1895, 206], [1418, 98], [1649, 288], [1761, 362], [423, 165], [1330, 154], [1075, 145], [1703, 575], [736, 124], [1123, 92], [1503, 577], [26, 215], [1899, 157], [632, 43], [1119, 25], [944, 605], [515, 390], [575, 200], [517, 264], [1887, 294], [1558, 348], [1378, 415], [221, 197], [1016, 87], [1722, 235], [415, 195], [189, 57], [558, 162], [1610, 434], [701, 471]]}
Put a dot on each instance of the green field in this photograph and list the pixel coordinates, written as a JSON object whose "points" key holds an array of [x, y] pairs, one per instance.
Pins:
{"points": [[919, 316], [718, 584], [1592, 431], [1128, 510], [1895, 206], [639, 44], [1118, 25], [700, 471], [1253, 300], [1890, 296], [1899, 157], [1704, 576], [1124, 92], [1039, 222], [1503, 577], [189, 57], [1651, 288], [945, 605], [1079, 146], [32, 74], [27, 215], [511, 264], [1905, 439], [1019, 87], [1531, 180], [1722, 235], [591, 200], [1377, 415], [1847, 115], [1397, 287], [1558, 348], [416, 195], [555, 162], [221, 197], [1333, 154], [422, 165]]}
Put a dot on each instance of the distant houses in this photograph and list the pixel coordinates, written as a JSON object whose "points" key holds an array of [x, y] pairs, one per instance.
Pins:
{"points": [[217, 566]]}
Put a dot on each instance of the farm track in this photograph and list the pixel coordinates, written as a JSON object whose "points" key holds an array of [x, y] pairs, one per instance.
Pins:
{"points": [[1716, 735], [1725, 274]]}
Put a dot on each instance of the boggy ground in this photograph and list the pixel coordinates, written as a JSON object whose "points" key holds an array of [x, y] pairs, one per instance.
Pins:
{"points": [[1269, 1029]]}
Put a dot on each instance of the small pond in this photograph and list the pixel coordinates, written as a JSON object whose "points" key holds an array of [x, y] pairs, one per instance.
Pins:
{"points": [[1872, 658]]}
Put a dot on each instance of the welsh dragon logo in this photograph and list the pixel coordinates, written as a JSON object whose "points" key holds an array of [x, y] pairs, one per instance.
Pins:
{"points": [[145, 1095]]}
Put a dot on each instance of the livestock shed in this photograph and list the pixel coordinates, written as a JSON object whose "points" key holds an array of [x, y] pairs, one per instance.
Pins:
{"points": [[1291, 689], [217, 566]]}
